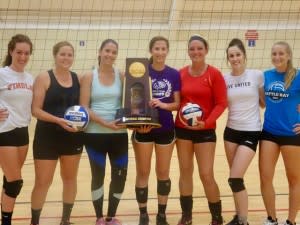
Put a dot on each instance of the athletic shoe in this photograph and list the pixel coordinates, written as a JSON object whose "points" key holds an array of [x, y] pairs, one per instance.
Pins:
{"points": [[270, 221], [100, 221], [215, 222], [113, 221], [144, 219], [287, 222], [185, 220], [234, 221], [161, 220], [65, 223]]}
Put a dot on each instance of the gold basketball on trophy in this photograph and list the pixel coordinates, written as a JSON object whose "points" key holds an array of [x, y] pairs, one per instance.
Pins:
{"points": [[137, 69]]}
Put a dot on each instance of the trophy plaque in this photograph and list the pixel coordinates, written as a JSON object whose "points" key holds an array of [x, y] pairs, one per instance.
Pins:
{"points": [[137, 92]]}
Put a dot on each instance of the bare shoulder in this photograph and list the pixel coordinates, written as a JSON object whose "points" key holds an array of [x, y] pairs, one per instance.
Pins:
{"points": [[42, 78], [86, 77]]}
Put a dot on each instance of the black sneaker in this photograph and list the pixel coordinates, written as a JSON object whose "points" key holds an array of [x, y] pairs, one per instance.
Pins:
{"points": [[161, 219], [185, 220], [65, 223], [234, 221], [217, 222], [144, 219]]}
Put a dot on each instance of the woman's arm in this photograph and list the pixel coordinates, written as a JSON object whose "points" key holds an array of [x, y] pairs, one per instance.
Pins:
{"points": [[40, 87]]}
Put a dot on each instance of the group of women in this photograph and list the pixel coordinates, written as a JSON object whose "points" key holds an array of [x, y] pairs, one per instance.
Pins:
{"points": [[243, 90]]}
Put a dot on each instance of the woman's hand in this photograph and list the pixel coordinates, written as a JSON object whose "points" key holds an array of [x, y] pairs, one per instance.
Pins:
{"points": [[113, 125], [3, 114], [297, 128], [144, 129], [199, 126], [157, 103], [66, 125]]}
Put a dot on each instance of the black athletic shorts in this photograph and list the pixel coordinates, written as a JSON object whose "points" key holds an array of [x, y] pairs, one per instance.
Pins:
{"points": [[161, 138], [280, 140], [16, 137], [51, 141], [247, 138], [196, 136]]}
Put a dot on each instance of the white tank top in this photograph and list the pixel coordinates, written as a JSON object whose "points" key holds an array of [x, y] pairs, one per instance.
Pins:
{"points": [[16, 97]]}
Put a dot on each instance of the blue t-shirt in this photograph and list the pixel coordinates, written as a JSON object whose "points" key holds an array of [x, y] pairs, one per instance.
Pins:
{"points": [[164, 84], [281, 105]]}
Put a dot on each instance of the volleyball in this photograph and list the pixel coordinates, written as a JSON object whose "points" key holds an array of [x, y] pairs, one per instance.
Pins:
{"points": [[190, 113], [77, 116]]}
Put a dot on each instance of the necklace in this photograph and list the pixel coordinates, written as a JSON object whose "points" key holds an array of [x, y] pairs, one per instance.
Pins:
{"points": [[199, 72]]}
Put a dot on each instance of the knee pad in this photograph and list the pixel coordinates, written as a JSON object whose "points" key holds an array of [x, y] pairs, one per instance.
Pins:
{"points": [[236, 184], [118, 179], [141, 194], [13, 188], [4, 182], [163, 187]]}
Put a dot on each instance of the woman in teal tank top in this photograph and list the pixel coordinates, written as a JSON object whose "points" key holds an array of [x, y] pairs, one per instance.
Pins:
{"points": [[101, 93]]}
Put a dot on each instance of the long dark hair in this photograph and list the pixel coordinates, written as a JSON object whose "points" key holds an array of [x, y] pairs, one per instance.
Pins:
{"points": [[152, 42], [198, 38], [239, 44], [18, 38], [105, 42]]}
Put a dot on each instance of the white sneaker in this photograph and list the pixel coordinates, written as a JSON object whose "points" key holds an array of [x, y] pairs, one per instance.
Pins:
{"points": [[270, 221]]}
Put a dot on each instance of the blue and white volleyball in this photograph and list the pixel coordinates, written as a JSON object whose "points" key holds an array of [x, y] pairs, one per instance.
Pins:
{"points": [[77, 116], [190, 114]]}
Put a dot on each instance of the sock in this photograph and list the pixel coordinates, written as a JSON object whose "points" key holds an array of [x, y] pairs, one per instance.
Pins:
{"points": [[6, 218], [243, 220], [162, 210], [186, 203], [143, 210], [67, 209], [35, 216], [215, 209]]}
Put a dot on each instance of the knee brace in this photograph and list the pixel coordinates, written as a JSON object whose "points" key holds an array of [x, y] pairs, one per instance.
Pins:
{"points": [[118, 178], [4, 182], [236, 184], [163, 187], [141, 194], [13, 188]]}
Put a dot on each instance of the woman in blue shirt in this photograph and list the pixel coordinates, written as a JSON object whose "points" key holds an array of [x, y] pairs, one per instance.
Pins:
{"points": [[281, 131]]}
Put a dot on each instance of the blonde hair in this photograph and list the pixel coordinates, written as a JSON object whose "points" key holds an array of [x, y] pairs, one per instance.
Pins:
{"points": [[291, 71], [59, 45]]}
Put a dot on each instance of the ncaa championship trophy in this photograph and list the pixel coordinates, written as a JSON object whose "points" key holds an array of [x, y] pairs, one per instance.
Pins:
{"points": [[137, 92]]}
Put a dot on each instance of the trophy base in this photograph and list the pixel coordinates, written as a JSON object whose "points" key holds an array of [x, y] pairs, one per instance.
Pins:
{"points": [[124, 117]]}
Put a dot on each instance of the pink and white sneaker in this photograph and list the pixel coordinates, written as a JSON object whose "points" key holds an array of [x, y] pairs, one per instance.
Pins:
{"points": [[113, 221], [100, 221]]}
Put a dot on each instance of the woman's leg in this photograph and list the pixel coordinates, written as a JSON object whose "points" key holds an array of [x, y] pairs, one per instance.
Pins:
{"points": [[68, 170], [44, 172], [97, 159], [268, 157], [185, 154], [205, 155], [240, 164], [143, 154], [163, 160], [11, 162], [291, 158]]}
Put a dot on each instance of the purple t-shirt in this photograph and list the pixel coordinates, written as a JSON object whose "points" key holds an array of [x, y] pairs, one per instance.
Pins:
{"points": [[164, 84]]}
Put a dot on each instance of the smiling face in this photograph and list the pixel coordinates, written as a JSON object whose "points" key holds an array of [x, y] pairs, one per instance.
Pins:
{"points": [[280, 56], [20, 56], [197, 51], [159, 51], [108, 53], [236, 58], [64, 57]]}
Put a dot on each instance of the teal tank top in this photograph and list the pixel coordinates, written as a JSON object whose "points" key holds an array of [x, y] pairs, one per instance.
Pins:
{"points": [[105, 100]]}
